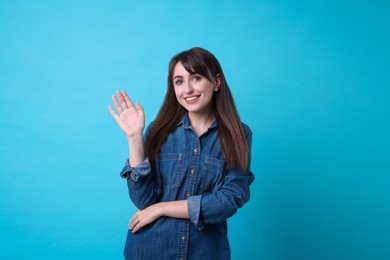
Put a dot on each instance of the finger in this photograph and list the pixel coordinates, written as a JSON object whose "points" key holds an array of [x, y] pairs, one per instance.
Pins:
{"points": [[133, 221], [133, 230], [117, 106], [131, 225], [122, 99], [134, 224], [112, 112], [140, 110], [136, 227], [127, 99], [139, 107]]}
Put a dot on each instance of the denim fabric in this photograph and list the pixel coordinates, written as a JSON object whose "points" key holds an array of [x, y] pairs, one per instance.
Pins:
{"points": [[192, 168]]}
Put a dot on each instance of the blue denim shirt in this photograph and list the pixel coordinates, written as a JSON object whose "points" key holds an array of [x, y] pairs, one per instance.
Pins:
{"points": [[192, 168]]}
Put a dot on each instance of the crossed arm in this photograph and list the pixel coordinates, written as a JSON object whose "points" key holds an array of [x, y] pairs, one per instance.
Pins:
{"points": [[174, 209]]}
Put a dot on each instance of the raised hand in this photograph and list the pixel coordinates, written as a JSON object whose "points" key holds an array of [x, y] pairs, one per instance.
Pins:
{"points": [[130, 118]]}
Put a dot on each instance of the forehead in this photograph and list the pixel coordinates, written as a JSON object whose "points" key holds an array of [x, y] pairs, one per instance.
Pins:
{"points": [[179, 70]]}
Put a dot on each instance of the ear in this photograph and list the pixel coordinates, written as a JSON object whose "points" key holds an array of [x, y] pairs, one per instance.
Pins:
{"points": [[217, 83]]}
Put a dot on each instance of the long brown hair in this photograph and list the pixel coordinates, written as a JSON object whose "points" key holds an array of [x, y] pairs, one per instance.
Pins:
{"points": [[230, 131]]}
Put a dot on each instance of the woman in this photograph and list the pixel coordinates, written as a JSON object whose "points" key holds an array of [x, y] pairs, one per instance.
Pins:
{"points": [[192, 172]]}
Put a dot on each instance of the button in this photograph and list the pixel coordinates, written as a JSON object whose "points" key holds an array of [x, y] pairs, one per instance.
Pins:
{"points": [[192, 172], [135, 176], [188, 194], [195, 150], [181, 258], [183, 238]]}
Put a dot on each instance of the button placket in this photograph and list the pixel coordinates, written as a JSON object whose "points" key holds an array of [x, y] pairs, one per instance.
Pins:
{"points": [[188, 191]]}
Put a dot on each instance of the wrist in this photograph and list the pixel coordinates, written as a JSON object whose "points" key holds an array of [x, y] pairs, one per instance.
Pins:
{"points": [[136, 139], [159, 207], [136, 150], [135, 136]]}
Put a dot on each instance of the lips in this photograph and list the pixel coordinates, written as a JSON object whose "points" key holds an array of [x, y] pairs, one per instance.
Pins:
{"points": [[191, 99]]}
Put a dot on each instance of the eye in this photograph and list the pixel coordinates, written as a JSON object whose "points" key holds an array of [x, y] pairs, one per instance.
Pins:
{"points": [[178, 82], [197, 78]]}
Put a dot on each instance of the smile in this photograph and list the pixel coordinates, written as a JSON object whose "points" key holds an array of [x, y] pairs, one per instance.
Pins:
{"points": [[192, 98]]}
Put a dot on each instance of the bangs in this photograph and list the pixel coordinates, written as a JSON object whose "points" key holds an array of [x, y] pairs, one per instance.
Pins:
{"points": [[196, 65], [195, 61]]}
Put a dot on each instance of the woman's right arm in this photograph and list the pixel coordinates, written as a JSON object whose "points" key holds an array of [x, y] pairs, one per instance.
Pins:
{"points": [[131, 119], [142, 183]]}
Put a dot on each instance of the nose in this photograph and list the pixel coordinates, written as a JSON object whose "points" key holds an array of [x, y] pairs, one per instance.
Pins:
{"points": [[188, 89]]}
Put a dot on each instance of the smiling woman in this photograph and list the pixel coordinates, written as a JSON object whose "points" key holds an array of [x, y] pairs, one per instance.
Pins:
{"points": [[193, 170], [194, 92]]}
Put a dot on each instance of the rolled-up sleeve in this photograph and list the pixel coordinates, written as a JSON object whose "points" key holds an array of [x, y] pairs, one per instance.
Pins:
{"points": [[136, 172], [193, 206], [218, 206], [142, 184]]}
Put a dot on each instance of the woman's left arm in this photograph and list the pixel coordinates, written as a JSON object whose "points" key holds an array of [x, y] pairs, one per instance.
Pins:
{"points": [[200, 209], [218, 206], [174, 209]]}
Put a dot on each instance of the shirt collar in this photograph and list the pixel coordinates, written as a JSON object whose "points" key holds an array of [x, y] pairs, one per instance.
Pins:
{"points": [[185, 121]]}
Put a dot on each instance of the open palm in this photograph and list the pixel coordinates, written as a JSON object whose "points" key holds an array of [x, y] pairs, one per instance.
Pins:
{"points": [[130, 118]]}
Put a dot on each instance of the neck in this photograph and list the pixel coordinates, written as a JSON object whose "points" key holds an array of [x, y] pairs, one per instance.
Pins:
{"points": [[201, 122]]}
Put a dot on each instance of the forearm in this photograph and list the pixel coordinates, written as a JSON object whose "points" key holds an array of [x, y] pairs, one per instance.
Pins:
{"points": [[136, 150], [174, 209]]}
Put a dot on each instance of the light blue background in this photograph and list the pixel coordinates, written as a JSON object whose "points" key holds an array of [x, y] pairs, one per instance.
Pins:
{"points": [[311, 78]]}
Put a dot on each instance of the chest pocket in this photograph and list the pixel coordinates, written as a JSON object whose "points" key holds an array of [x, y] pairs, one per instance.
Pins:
{"points": [[213, 173], [170, 170]]}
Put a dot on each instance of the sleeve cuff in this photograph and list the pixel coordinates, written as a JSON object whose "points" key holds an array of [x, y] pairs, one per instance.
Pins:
{"points": [[193, 204], [136, 172]]}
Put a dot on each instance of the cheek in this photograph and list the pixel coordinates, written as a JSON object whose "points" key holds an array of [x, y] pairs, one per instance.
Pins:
{"points": [[177, 95], [209, 90], [176, 91]]}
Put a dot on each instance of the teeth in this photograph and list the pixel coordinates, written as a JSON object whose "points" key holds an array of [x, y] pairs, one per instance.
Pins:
{"points": [[191, 98]]}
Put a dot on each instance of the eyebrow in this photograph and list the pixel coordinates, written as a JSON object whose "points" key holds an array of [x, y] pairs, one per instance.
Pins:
{"points": [[191, 74]]}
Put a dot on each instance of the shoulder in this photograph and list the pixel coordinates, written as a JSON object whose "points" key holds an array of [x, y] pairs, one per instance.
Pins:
{"points": [[148, 128], [247, 130]]}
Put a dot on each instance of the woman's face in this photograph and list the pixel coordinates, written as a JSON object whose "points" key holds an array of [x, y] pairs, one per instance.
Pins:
{"points": [[193, 91]]}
